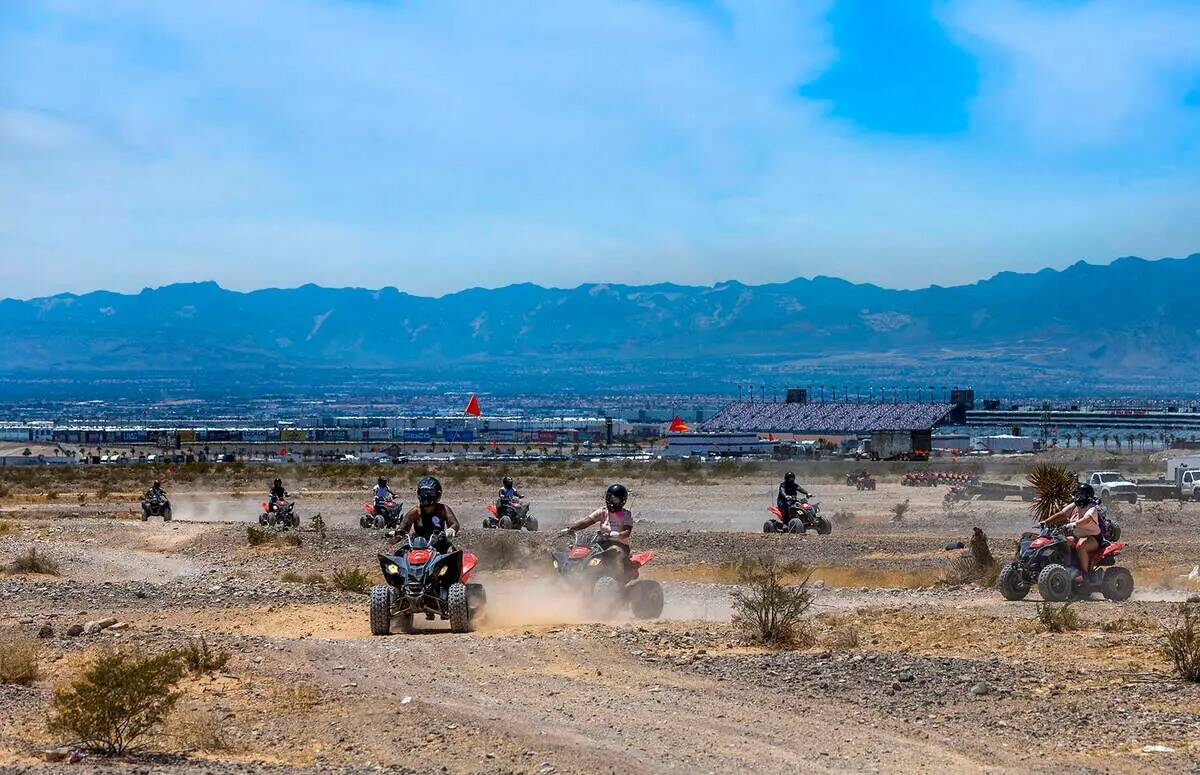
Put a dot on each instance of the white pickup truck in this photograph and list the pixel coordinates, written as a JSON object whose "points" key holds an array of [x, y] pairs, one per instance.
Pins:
{"points": [[1111, 485]]}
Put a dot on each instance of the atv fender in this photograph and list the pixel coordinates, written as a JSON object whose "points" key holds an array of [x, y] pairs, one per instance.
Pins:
{"points": [[469, 562]]}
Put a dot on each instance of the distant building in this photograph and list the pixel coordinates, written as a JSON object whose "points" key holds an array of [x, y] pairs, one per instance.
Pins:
{"points": [[716, 444]]}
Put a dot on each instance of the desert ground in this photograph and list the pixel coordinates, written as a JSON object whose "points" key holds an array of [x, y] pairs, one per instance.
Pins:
{"points": [[907, 668]]}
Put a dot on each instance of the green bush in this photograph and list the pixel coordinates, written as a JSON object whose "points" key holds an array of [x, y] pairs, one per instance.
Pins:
{"points": [[198, 658], [768, 611], [351, 580], [119, 698], [1181, 642], [1057, 618], [257, 536]]}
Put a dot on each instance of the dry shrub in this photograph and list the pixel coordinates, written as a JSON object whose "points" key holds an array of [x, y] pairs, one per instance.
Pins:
{"points": [[1181, 641], [899, 510], [1054, 618], [289, 539], [199, 659], [844, 637], [768, 611], [18, 658], [5, 527], [5, 491], [351, 580], [978, 566], [198, 731], [32, 562], [119, 698]]}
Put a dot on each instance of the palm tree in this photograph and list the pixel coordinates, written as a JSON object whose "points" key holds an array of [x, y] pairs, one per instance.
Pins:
{"points": [[1142, 439], [1079, 438], [1105, 437], [1092, 439], [1129, 439]]}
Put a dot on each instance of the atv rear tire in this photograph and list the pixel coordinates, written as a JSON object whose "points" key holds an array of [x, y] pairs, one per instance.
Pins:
{"points": [[506, 523], [531, 524], [824, 526], [1117, 584], [1112, 532], [769, 526], [646, 599], [795, 525], [381, 609], [1011, 583], [1054, 583], [460, 611], [366, 521]]}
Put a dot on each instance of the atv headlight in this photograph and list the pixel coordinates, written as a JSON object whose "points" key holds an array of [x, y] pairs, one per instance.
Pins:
{"points": [[393, 569], [593, 562], [442, 570]]}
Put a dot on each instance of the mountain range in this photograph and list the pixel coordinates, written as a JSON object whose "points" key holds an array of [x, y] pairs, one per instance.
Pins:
{"points": [[1130, 325]]}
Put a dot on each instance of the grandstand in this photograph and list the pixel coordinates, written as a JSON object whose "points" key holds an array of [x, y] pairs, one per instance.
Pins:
{"points": [[833, 418]]}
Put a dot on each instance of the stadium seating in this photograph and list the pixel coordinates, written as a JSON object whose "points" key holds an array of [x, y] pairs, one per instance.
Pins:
{"points": [[821, 417]]}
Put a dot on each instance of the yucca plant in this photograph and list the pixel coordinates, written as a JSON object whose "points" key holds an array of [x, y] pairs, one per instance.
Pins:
{"points": [[1053, 486]]}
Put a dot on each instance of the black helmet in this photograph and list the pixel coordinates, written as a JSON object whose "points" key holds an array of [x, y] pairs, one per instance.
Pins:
{"points": [[157, 484], [615, 497], [429, 491], [383, 481], [789, 477], [278, 482], [1084, 494], [507, 481]]}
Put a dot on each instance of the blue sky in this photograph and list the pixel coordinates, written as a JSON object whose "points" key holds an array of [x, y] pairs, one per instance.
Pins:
{"points": [[439, 145]]}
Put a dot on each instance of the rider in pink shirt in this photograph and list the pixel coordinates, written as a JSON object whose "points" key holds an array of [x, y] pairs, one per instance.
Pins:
{"points": [[614, 518]]}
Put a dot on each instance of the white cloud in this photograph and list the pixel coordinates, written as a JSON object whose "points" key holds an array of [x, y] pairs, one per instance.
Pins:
{"points": [[1085, 75]]}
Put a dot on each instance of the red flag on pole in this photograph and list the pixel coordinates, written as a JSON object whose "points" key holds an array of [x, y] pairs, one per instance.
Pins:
{"points": [[473, 406], [678, 425]]}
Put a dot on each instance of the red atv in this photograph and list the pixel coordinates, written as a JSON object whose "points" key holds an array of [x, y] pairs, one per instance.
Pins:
{"points": [[380, 515], [1048, 559], [598, 569], [802, 515], [423, 579], [512, 514]]}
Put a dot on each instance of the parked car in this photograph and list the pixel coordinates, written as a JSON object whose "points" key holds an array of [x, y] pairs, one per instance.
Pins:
{"points": [[1111, 485]]}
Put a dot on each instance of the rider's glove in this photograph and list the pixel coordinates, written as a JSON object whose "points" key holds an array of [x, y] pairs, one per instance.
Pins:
{"points": [[451, 532], [564, 531]]}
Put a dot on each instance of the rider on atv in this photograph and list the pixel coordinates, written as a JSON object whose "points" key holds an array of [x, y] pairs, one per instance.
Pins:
{"points": [[788, 493], [278, 493], [430, 517], [1082, 519], [508, 493], [615, 520], [156, 492], [383, 493]]}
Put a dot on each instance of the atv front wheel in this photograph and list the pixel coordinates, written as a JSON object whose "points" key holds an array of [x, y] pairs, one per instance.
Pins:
{"points": [[1054, 583], [795, 526], [1012, 583], [769, 526], [506, 523], [646, 599], [262, 519], [531, 524], [1112, 532], [606, 595], [366, 521], [824, 526], [145, 515], [460, 611], [167, 514], [1117, 584], [381, 609]]}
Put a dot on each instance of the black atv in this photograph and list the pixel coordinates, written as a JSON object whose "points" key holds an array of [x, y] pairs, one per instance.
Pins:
{"points": [[423, 580], [281, 513], [597, 568], [803, 515], [381, 514], [156, 506], [510, 515], [1048, 560]]}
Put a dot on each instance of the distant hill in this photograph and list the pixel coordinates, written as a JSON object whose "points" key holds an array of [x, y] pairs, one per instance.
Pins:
{"points": [[1123, 325]]}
